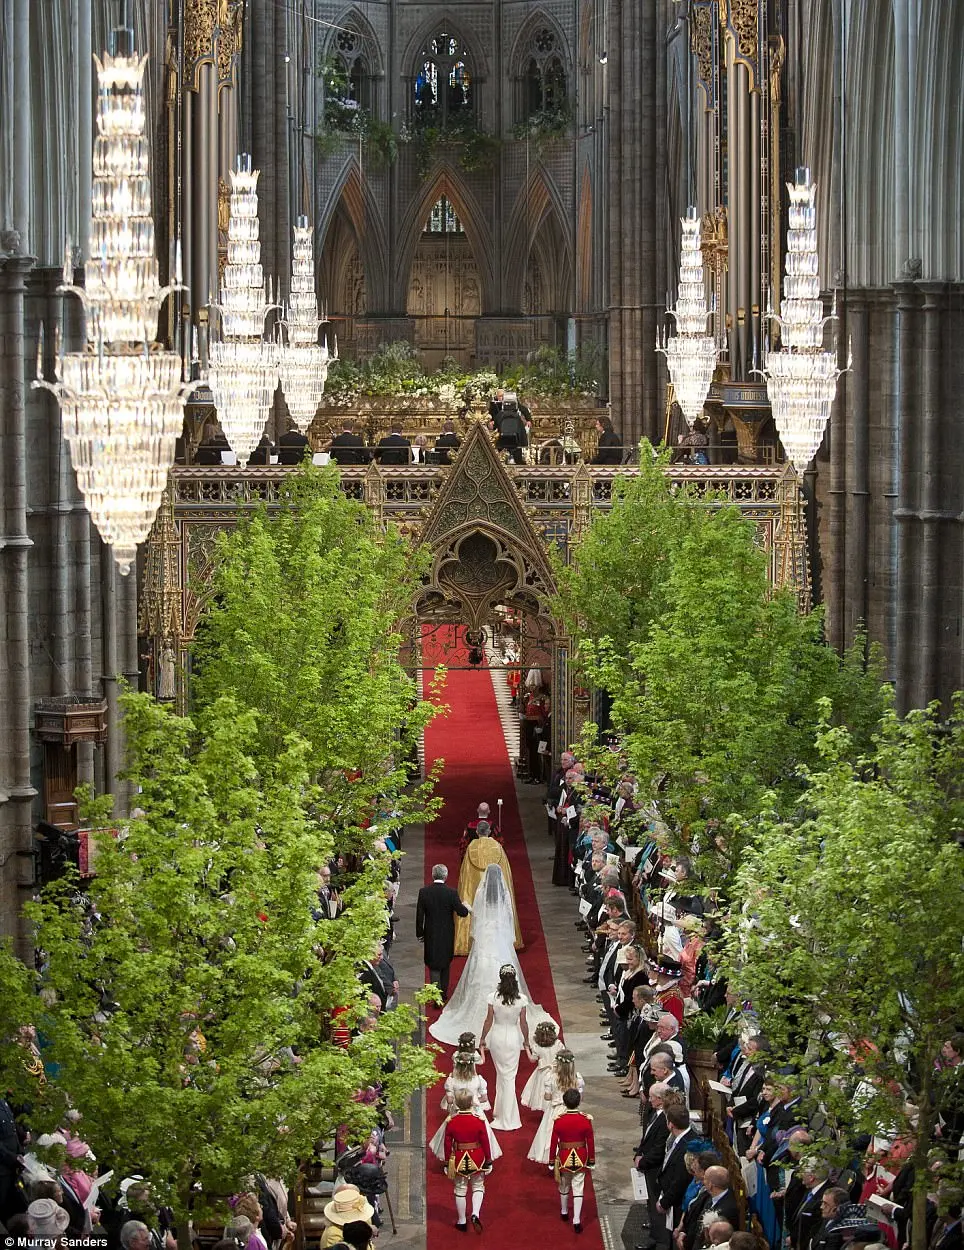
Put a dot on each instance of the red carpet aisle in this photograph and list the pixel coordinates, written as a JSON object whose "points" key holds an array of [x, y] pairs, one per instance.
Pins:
{"points": [[521, 1201]]}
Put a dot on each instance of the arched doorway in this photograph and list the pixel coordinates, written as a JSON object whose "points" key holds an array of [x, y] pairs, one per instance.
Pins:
{"points": [[490, 576], [444, 290]]}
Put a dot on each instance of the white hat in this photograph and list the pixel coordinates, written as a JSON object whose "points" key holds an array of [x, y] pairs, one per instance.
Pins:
{"points": [[47, 1218], [347, 1204]]}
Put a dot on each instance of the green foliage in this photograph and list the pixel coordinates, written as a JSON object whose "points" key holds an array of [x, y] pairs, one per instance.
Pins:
{"points": [[176, 990], [715, 678], [304, 632], [477, 149], [346, 121], [394, 370], [547, 126], [853, 925]]}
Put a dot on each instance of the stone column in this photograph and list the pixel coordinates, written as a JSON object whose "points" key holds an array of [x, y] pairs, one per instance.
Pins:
{"points": [[857, 449], [636, 178], [933, 517], [908, 494], [16, 792]]}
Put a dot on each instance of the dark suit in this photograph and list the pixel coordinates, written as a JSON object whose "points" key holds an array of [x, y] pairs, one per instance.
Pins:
{"points": [[673, 1180], [727, 1205], [652, 1144], [610, 448], [11, 1196], [435, 912], [692, 1224], [394, 449], [291, 447], [348, 448], [445, 445], [807, 1219]]}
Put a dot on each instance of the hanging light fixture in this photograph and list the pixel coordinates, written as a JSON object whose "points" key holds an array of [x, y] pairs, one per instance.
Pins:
{"points": [[242, 364], [801, 377], [122, 396], [691, 353], [304, 362]]}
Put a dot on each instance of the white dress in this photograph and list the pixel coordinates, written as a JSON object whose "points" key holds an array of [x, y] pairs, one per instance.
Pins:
{"points": [[505, 1043], [480, 1104], [535, 1087], [539, 1150], [493, 944]]}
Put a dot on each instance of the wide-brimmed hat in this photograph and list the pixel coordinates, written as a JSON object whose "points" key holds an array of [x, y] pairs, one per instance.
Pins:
{"points": [[47, 1218], [349, 1203]]}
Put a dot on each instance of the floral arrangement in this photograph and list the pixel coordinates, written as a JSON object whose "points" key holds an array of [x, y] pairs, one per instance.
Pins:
{"points": [[394, 370]]}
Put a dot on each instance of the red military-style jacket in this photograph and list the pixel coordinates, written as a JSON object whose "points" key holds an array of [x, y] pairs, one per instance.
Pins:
{"points": [[466, 1144], [572, 1147]]}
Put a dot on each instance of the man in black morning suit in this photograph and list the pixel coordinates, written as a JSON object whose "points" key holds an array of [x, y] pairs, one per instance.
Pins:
{"points": [[348, 447], [673, 1179], [435, 913]]}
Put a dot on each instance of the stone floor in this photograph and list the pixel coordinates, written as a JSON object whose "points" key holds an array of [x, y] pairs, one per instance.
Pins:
{"points": [[616, 1119]]}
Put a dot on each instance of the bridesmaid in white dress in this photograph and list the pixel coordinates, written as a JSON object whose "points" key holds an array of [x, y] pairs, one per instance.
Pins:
{"points": [[546, 1044], [562, 1077], [506, 1031], [465, 1079]]}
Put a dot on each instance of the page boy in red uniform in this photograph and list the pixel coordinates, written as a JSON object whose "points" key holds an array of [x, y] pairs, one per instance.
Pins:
{"points": [[572, 1151], [468, 1159]]}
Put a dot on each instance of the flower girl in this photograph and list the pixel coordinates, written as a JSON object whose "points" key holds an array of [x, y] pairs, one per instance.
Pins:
{"points": [[562, 1076], [546, 1044], [465, 1079]]}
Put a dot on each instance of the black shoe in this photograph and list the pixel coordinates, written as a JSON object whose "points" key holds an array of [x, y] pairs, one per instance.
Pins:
{"points": [[606, 1037], [564, 1216], [627, 1094], [619, 1072], [589, 980], [462, 1228], [476, 1224], [586, 946], [577, 1228]]}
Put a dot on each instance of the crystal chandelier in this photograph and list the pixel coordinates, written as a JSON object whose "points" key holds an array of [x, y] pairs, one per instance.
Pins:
{"points": [[122, 397], [801, 377], [242, 364], [304, 363], [691, 354]]}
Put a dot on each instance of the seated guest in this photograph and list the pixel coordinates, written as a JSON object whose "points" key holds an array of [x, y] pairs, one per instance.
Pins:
{"points": [[292, 446], [610, 444], [209, 452], [262, 453], [719, 1234], [420, 452], [348, 447], [394, 448], [446, 443]]}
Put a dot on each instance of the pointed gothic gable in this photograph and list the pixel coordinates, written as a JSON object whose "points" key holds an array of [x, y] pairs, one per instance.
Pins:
{"points": [[479, 494]]}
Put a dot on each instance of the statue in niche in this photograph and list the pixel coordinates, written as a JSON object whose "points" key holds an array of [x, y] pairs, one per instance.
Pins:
{"points": [[167, 671]]}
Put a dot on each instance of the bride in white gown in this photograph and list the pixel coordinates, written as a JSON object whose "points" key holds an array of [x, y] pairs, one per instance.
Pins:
{"points": [[493, 945], [506, 1032]]}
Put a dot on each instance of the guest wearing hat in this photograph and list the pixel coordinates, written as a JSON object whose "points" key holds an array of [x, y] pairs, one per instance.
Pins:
{"points": [[47, 1218], [348, 1205]]}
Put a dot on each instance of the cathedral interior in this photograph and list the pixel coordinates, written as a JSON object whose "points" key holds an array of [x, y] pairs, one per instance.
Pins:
{"points": [[483, 179]]}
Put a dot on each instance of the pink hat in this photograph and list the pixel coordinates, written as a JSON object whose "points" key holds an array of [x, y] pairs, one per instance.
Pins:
{"points": [[77, 1149]]}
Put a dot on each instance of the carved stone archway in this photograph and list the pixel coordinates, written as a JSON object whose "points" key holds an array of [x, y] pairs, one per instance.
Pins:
{"points": [[486, 554]]}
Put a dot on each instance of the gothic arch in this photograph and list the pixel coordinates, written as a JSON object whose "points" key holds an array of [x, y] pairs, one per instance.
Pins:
{"points": [[537, 224], [354, 19], [447, 21], [520, 47], [352, 200], [485, 550], [446, 181]]}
